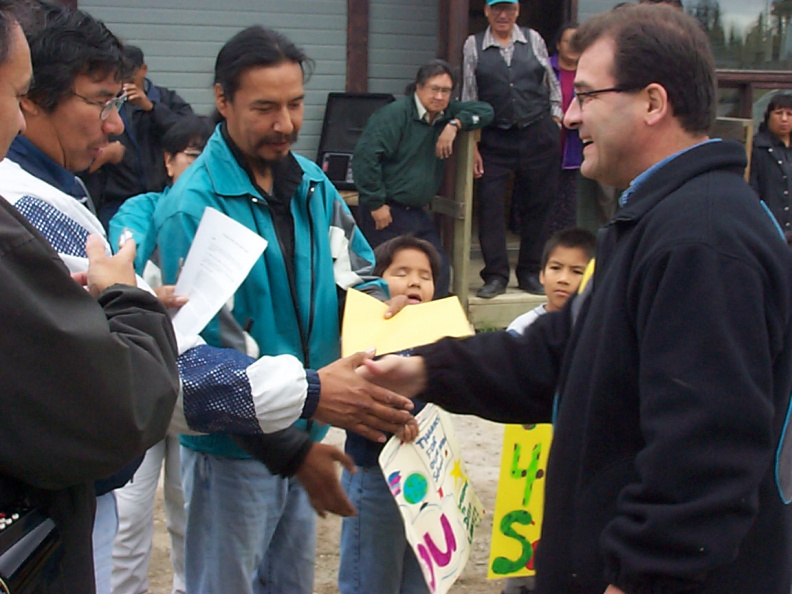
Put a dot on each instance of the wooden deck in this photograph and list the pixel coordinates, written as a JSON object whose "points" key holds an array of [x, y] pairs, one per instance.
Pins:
{"points": [[466, 262], [498, 312]]}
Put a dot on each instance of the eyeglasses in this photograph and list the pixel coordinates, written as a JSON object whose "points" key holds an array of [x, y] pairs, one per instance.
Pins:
{"points": [[107, 107], [434, 89], [584, 97]]}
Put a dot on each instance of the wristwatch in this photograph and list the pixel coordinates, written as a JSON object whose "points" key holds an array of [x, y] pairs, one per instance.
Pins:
{"points": [[455, 123]]}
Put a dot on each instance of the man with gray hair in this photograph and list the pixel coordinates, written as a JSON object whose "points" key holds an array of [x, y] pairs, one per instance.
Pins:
{"points": [[400, 158]]}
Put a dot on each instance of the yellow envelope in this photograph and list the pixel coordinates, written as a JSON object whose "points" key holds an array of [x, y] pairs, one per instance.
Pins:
{"points": [[365, 326]]}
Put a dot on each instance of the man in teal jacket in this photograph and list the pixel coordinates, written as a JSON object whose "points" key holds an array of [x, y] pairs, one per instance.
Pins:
{"points": [[399, 159], [248, 530]]}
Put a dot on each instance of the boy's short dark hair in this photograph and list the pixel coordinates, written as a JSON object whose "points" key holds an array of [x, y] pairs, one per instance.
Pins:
{"points": [[386, 252], [574, 237]]}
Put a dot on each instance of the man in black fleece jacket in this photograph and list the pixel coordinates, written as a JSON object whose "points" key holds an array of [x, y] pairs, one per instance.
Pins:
{"points": [[668, 378]]}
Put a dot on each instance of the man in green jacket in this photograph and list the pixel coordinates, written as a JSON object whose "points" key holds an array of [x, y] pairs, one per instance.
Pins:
{"points": [[398, 161]]}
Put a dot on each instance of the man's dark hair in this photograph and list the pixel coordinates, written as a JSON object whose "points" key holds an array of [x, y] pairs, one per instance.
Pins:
{"points": [[778, 101], [574, 237], [8, 20], [386, 252], [255, 47], [430, 70], [65, 44], [134, 57], [656, 43], [25, 13]]}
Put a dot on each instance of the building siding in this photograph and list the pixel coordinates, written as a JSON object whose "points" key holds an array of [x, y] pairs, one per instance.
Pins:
{"points": [[402, 36], [181, 41]]}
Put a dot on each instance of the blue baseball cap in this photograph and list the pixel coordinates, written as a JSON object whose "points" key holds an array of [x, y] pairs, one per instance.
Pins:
{"points": [[491, 2]]}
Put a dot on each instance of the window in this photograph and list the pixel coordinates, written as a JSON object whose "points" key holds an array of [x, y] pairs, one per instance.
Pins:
{"points": [[745, 34], [753, 35]]}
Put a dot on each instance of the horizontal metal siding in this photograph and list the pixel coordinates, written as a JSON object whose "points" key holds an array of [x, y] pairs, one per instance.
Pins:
{"points": [[181, 42], [402, 36]]}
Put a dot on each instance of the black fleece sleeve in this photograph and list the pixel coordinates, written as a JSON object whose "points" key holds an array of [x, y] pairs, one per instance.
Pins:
{"points": [[498, 376], [282, 452], [87, 386]]}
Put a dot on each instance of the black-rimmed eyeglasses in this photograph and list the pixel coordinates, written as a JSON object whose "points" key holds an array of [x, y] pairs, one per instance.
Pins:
{"points": [[584, 97], [106, 107]]}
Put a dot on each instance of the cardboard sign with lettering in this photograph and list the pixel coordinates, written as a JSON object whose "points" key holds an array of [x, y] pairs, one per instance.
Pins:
{"points": [[440, 510], [519, 507]]}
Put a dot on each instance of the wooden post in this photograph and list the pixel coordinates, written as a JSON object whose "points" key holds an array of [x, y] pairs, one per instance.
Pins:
{"points": [[357, 46], [739, 129], [463, 197]]}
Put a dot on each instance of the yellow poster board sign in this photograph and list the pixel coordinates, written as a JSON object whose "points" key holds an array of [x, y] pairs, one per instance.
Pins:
{"points": [[519, 507], [365, 325]]}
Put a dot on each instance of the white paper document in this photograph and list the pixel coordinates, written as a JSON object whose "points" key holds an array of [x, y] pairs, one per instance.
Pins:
{"points": [[220, 258]]}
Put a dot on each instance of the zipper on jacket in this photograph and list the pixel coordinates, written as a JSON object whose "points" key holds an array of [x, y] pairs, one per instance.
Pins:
{"points": [[292, 283], [312, 312]]}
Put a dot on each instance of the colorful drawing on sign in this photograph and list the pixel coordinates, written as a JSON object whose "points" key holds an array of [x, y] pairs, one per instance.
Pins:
{"points": [[519, 507], [440, 510]]}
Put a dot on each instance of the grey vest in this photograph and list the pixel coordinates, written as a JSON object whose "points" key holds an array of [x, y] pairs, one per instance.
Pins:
{"points": [[517, 93]]}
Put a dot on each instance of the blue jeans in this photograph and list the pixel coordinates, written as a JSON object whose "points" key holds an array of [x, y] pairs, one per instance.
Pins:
{"points": [[247, 530], [104, 532], [375, 554]]}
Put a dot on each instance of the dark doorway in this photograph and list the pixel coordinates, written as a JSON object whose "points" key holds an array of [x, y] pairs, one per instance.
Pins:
{"points": [[546, 16]]}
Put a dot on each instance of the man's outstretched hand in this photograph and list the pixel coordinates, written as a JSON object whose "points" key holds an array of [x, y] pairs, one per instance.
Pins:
{"points": [[351, 402], [405, 375], [319, 478]]}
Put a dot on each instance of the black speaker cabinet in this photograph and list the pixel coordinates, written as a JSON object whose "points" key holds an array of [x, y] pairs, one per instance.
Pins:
{"points": [[345, 117]]}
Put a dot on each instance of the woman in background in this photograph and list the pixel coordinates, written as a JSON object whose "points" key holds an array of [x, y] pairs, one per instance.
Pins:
{"points": [[563, 214], [771, 176]]}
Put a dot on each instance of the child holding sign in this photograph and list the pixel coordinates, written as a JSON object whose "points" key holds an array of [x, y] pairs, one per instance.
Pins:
{"points": [[564, 260], [375, 555]]}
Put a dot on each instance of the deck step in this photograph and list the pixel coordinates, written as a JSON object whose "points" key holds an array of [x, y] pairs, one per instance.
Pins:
{"points": [[498, 312]]}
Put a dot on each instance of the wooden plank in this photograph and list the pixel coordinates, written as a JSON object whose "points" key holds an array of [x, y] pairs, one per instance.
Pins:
{"points": [[463, 195], [497, 313], [357, 44], [737, 129]]}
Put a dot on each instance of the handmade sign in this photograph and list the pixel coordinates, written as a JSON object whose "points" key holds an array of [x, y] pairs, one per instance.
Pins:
{"points": [[519, 507], [440, 510], [365, 325]]}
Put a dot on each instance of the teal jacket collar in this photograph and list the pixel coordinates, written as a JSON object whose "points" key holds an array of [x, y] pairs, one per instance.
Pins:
{"points": [[229, 179]]}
